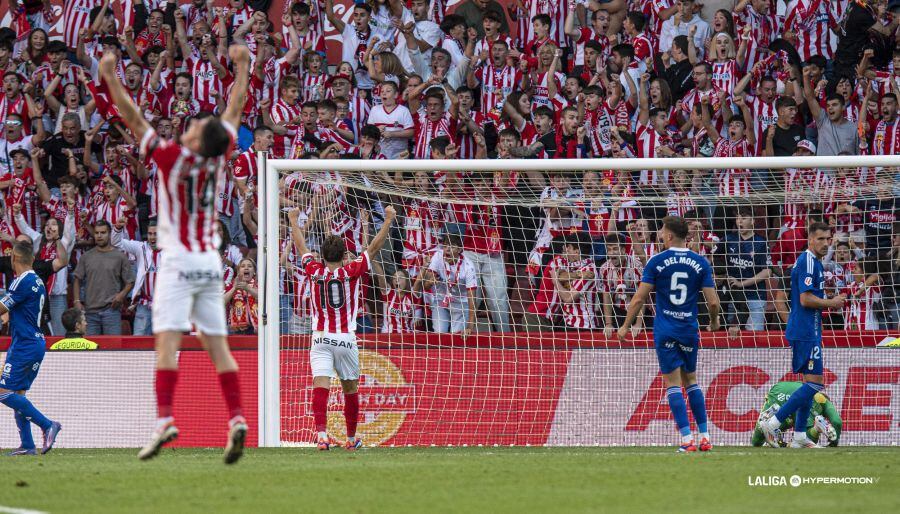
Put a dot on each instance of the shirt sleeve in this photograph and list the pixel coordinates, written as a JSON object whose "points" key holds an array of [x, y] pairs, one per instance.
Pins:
{"points": [[807, 275], [16, 294], [706, 278], [649, 275]]}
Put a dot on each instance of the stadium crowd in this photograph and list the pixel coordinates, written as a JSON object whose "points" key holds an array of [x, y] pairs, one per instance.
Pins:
{"points": [[418, 80]]}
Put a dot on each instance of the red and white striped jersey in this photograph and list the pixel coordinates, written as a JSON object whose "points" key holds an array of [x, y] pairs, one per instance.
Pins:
{"points": [[275, 69], [620, 282], [206, 80], [246, 166], [336, 295], [112, 213], [811, 21], [484, 45], [151, 260], [312, 39], [556, 9], [599, 125], [44, 74], [804, 189], [226, 192], [886, 138], [399, 313], [18, 106], [579, 313], [496, 85], [733, 182], [725, 75], [421, 227], [309, 87], [235, 18], [192, 15], [644, 44], [453, 281], [694, 96], [678, 203], [466, 142], [302, 299], [22, 192], [588, 34], [426, 130], [282, 113], [187, 182], [546, 302], [764, 115], [49, 253], [648, 140], [764, 28], [76, 16], [540, 92], [859, 313]]}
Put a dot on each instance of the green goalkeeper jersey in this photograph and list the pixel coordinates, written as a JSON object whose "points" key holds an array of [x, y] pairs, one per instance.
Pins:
{"points": [[779, 394]]}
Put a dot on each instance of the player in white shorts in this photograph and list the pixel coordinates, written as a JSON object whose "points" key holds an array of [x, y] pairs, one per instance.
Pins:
{"points": [[336, 299], [189, 285]]}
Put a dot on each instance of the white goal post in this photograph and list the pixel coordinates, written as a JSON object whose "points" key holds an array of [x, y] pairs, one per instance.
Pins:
{"points": [[269, 217]]}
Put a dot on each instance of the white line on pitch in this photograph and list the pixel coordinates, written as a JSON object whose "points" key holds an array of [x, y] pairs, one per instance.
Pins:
{"points": [[12, 510]]}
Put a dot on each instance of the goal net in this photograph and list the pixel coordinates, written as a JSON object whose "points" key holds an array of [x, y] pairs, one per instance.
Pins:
{"points": [[490, 316]]}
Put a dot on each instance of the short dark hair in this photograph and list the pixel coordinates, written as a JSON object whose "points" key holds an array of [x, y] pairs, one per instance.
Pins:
{"points": [[102, 223], [70, 318], [768, 78], [624, 50], [836, 96], [677, 225], [785, 101], [56, 46], [744, 210], [818, 226], [892, 96], [24, 251], [371, 132], [817, 60], [214, 139], [440, 144], [364, 7], [327, 104], [543, 18], [681, 42], [637, 19], [333, 249], [450, 21], [613, 239], [453, 240], [543, 111], [262, 128], [301, 9]]}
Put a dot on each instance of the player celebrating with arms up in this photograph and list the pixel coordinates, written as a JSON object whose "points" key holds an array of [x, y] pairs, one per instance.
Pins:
{"points": [[678, 275], [25, 303], [336, 299], [189, 284], [804, 333]]}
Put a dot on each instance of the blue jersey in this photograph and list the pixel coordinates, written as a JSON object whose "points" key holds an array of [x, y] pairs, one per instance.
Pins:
{"points": [[808, 275], [746, 258], [678, 276], [25, 302]]}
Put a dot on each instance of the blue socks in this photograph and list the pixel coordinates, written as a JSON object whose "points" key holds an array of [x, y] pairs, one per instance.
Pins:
{"points": [[799, 402], [698, 406], [25, 408], [679, 410], [24, 431]]}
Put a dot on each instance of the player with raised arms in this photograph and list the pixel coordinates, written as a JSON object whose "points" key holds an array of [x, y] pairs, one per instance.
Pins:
{"points": [[189, 284], [678, 275], [804, 333], [336, 298], [24, 301]]}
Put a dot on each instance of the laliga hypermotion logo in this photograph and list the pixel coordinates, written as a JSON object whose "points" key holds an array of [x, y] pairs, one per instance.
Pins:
{"points": [[384, 400]]}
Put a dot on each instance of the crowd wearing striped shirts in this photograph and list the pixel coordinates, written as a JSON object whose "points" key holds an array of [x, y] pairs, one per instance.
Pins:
{"points": [[539, 79]]}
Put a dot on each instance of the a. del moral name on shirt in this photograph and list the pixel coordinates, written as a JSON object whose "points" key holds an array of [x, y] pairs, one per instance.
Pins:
{"points": [[680, 259]]}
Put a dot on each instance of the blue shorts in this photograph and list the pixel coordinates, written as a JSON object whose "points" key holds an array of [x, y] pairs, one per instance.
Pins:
{"points": [[673, 354], [20, 369], [806, 357]]}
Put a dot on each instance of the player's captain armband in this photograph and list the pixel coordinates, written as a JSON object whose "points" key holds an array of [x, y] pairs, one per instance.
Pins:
{"points": [[74, 343], [820, 398]]}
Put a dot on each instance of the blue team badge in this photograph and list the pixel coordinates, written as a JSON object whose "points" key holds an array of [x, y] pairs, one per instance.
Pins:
{"points": [[808, 281]]}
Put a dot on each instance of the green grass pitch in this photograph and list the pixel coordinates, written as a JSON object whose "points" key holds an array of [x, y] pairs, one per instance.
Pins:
{"points": [[483, 480]]}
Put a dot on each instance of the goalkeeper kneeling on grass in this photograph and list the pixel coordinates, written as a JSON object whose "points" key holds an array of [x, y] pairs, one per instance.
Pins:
{"points": [[824, 419]]}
